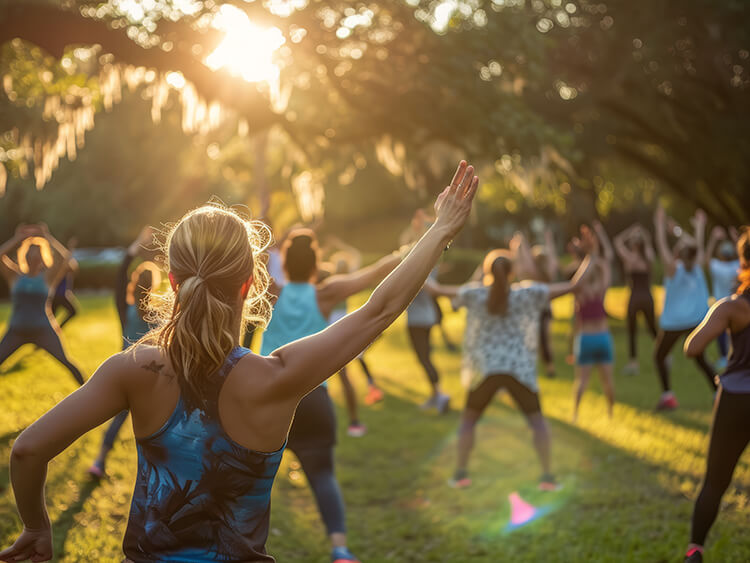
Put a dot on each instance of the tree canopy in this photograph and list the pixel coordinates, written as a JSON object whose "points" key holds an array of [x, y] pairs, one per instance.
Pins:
{"points": [[560, 101]]}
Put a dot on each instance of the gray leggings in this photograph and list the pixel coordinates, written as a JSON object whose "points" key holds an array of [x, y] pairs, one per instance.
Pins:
{"points": [[45, 338]]}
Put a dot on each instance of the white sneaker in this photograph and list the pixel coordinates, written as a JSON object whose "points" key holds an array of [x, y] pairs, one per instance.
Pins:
{"points": [[443, 403]]}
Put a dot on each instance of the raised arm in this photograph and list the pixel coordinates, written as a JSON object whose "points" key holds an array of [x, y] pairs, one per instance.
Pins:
{"points": [[97, 401], [699, 224], [522, 257], [662, 246], [439, 290], [562, 288], [717, 234], [716, 322], [336, 289], [606, 246], [8, 268], [622, 249], [62, 261], [304, 364]]}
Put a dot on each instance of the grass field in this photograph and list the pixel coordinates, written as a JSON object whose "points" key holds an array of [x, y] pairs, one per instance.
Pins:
{"points": [[628, 489]]}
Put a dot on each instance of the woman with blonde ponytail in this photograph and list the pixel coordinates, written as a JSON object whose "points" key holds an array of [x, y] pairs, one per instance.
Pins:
{"points": [[210, 417], [730, 428], [500, 349]]}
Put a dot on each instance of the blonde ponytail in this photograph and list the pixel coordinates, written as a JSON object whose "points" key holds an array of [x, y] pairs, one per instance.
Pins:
{"points": [[210, 253]]}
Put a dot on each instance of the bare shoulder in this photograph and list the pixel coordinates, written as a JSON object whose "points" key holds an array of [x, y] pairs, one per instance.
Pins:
{"points": [[258, 378]]}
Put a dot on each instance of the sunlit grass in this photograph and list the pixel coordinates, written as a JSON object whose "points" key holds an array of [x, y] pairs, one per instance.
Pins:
{"points": [[629, 483]]}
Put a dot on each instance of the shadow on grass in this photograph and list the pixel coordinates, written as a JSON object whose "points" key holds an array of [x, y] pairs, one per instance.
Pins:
{"points": [[67, 519]]}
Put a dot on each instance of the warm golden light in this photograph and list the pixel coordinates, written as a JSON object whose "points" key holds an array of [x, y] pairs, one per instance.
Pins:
{"points": [[247, 50]]}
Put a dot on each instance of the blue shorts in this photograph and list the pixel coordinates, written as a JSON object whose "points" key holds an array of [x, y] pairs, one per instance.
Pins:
{"points": [[594, 348]]}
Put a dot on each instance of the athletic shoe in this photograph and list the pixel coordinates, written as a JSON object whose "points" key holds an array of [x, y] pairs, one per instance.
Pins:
{"points": [[443, 403], [374, 395], [668, 403], [460, 480], [462, 483], [547, 482], [96, 471], [342, 555], [356, 430], [430, 403], [694, 555]]}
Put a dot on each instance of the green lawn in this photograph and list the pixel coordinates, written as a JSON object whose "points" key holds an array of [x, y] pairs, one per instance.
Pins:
{"points": [[628, 484]]}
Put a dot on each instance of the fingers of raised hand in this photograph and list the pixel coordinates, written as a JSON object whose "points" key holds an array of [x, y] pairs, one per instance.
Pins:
{"points": [[459, 175]]}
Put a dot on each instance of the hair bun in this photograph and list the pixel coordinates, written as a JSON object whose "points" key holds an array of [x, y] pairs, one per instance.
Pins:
{"points": [[302, 241]]}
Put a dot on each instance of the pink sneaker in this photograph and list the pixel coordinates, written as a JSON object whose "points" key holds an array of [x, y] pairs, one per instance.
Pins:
{"points": [[356, 430], [668, 403]]}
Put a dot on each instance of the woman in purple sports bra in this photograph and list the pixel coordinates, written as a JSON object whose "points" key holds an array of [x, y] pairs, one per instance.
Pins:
{"points": [[730, 429], [593, 343]]}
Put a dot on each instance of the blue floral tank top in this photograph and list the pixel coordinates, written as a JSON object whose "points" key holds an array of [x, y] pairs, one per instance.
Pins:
{"points": [[200, 496]]}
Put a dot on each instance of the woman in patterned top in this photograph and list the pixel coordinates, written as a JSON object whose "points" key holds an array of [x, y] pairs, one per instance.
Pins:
{"points": [[500, 350]]}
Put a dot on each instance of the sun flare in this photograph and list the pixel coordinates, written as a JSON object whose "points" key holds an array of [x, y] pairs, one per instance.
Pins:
{"points": [[246, 50]]}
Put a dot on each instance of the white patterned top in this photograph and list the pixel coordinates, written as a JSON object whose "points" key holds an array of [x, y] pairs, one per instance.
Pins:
{"points": [[502, 344]]}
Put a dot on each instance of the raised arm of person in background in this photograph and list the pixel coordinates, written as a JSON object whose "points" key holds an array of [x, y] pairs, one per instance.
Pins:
{"points": [[621, 246], [556, 289], [607, 252], [8, 267], [522, 256], [648, 244], [306, 363], [717, 234], [699, 226], [62, 257], [662, 246], [553, 262]]}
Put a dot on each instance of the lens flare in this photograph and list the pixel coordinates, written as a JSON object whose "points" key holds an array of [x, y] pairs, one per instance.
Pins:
{"points": [[246, 50]]}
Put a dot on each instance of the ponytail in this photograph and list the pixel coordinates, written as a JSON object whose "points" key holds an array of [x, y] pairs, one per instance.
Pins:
{"points": [[212, 253], [497, 267]]}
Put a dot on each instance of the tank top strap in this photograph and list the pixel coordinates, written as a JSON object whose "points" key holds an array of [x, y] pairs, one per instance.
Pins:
{"points": [[209, 402]]}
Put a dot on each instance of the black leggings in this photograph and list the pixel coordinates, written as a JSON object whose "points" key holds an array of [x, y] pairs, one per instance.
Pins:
{"points": [[730, 434], [665, 340], [544, 345], [420, 341], [67, 302], [640, 302], [312, 438], [46, 338]]}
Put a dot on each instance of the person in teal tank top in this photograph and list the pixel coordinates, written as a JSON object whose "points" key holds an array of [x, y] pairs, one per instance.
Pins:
{"points": [[41, 263], [302, 309], [131, 295], [685, 300], [211, 419]]}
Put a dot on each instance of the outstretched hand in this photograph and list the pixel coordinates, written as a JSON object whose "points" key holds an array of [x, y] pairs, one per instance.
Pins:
{"points": [[33, 545], [454, 203]]}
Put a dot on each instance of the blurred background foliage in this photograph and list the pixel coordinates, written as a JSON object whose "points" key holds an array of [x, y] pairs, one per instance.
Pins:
{"points": [[110, 117]]}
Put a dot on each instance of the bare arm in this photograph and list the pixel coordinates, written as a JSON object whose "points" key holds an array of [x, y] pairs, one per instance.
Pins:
{"points": [[8, 268], [553, 263], [607, 251], [102, 397], [699, 224], [521, 250], [716, 321], [717, 234], [336, 289], [622, 250], [559, 289], [60, 268], [439, 290], [304, 364], [667, 259]]}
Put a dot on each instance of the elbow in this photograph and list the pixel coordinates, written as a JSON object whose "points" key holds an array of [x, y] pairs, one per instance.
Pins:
{"points": [[23, 449]]}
